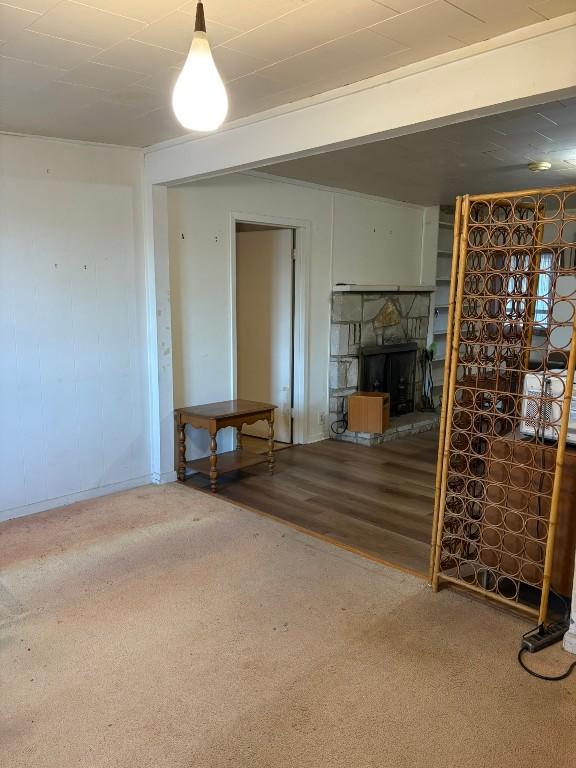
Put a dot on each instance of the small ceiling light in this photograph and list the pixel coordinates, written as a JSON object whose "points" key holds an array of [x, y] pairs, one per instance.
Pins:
{"points": [[540, 165], [199, 98]]}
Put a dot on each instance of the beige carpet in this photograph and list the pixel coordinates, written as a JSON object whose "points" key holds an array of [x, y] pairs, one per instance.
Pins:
{"points": [[162, 627]]}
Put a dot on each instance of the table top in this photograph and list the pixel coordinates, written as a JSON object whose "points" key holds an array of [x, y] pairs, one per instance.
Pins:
{"points": [[226, 408]]}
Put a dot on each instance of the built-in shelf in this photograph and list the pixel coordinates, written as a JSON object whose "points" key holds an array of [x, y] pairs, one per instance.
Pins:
{"points": [[443, 280], [353, 288], [230, 461]]}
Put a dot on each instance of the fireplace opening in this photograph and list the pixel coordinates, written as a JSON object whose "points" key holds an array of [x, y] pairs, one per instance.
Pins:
{"points": [[390, 368]]}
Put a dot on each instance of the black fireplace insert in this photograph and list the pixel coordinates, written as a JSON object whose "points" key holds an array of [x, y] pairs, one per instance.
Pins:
{"points": [[390, 368]]}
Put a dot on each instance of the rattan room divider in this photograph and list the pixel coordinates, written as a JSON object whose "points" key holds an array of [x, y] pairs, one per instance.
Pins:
{"points": [[511, 320]]}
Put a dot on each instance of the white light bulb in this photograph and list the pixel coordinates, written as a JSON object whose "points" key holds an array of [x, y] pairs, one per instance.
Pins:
{"points": [[199, 98]]}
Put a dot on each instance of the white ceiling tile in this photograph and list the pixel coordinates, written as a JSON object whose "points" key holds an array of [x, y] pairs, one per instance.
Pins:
{"points": [[40, 6], [232, 64], [175, 32], [24, 119], [523, 140], [561, 135], [270, 52], [333, 57], [498, 16], [513, 124], [401, 6], [97, 75], [552, 8], [155, 126], [560, 112], [353, 72], [272, 42], [104, 121], [297, 69], [163, 79], [139, 57], [250, 88], [70, 95], [13, 20], [325, 20], [432, 22], [143, 10], [310, 26], [83, 24], [139, 99], [253, 106], [340, 17], [219, 33], [45, 49], [245, 14], [364, 45], [54, 99], [425, 50], [25, 74]]}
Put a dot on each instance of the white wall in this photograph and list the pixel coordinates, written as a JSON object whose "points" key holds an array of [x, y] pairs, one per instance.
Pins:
{"points": [[74, 415], [342, 247], [376, 241]]}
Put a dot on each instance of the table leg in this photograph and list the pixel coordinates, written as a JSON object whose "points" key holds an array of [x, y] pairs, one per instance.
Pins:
{"points": [[271, 457], [213, 462], [238, 438], [181, 452]]}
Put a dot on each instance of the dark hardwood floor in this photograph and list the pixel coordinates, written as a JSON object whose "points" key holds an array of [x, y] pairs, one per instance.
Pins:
{"points": [[376, 500]]}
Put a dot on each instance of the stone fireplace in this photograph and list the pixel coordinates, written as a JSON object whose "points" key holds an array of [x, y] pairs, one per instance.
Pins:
{"points": [[377, 342]]}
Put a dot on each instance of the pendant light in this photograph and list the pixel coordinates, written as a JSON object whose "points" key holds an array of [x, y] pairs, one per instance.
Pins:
{"points": [[199, 98]]}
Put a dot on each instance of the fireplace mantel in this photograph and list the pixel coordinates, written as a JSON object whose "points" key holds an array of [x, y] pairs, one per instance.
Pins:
{"points": [[353, 288]]}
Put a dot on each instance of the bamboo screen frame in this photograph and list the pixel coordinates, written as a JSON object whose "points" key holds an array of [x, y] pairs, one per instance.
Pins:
{"points": [[497, 490]]}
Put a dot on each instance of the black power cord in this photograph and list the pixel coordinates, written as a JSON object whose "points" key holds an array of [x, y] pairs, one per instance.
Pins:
{"points": [[551, 678], [340, 426]]}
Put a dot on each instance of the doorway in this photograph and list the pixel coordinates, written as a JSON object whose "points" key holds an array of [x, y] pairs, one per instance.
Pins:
{"points": [[265, 301]]}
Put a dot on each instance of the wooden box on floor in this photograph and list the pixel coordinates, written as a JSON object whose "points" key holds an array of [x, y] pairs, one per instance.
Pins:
{"points": [[369, 412]]}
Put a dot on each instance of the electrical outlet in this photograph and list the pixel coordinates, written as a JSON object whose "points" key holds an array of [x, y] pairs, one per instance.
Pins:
{"points": [[322, 419]]}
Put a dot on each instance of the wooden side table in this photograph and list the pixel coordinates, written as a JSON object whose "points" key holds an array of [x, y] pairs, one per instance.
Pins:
{"points": [[215, 416]]}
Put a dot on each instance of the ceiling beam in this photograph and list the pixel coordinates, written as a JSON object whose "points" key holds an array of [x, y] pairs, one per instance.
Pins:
{"points": [[531, 65]]}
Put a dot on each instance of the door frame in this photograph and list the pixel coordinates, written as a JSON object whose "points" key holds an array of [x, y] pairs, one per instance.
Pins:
{"points": [[302, 231]]}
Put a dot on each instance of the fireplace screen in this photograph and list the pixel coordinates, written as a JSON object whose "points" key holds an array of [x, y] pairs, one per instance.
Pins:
{"points": [[390, 368], [508, 387]]}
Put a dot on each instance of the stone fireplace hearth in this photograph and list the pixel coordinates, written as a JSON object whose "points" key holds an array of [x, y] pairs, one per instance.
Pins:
{"points": [[369, 323]]}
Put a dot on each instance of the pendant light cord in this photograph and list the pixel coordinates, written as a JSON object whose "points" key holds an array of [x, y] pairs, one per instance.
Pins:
{"points": [[200, 25]]}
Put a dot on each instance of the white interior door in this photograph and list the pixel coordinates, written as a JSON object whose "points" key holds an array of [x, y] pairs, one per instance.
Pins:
{"points": [[264, 325]]}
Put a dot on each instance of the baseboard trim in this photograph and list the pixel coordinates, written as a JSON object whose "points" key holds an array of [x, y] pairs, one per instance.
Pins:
{"points": [[71, 498], [160, 478], [570, 640]]}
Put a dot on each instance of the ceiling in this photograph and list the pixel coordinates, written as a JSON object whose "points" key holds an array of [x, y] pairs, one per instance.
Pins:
{"points": [[432, 167], [102, 70]]}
